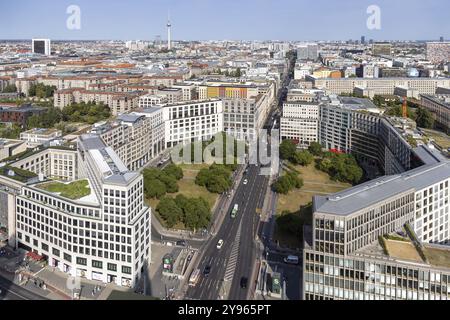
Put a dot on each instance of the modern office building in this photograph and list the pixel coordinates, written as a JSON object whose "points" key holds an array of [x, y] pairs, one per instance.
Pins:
{"points": [[101, 235], [41, 46], [382, 239], [151, 100], [192, 121], [380, 86], [309, 51], [439, 105], [300, 122], [244, 118]]}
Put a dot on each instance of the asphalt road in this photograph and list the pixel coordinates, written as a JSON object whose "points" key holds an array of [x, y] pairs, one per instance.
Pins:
{"points": [[247, 197], [11, 291]]}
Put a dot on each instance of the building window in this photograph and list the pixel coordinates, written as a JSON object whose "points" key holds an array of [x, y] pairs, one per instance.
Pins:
{"points": [[112, 267], [126, 270], [81, 261], [97, 264]]}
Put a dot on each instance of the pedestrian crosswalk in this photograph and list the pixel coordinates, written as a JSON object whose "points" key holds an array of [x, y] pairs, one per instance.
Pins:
{"points": [[232, 262]]}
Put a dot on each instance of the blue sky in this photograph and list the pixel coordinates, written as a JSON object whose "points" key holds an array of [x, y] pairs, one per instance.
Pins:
{"points": [[226, 19]]}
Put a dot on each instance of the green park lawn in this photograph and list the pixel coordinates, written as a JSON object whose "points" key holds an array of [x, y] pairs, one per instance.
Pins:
{"points": [[316, 182], [188, 188], [74, 190]]}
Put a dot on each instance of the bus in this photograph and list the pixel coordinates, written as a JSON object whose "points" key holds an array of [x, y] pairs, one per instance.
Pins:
{"points": [[195, 276], [234, 211]]}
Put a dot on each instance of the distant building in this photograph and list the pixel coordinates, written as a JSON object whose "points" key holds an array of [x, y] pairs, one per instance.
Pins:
{"points": [[20, 114], [438, 52], [363, 40], [439, 105], [381, 49], [39, 136], [41, 46], [308, 51]]}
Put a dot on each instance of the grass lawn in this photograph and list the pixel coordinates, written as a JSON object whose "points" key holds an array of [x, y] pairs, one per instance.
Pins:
{"points": [[188, 188], [442, 139], [437, 257], [402, 250], [74, 190], [316, 182]]}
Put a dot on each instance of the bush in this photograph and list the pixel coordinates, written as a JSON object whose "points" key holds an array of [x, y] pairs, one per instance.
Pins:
{"points": [[315, 149], [303, 158], [157, 183], [216, 178], [194, 213], [169, 211], [286, 183]]}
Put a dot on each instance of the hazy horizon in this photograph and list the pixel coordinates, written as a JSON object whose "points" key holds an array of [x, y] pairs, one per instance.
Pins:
{"points": [[194, 20]]}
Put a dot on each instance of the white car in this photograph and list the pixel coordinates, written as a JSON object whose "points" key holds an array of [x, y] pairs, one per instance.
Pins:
{"points": [[220, 244], [245, 182]]}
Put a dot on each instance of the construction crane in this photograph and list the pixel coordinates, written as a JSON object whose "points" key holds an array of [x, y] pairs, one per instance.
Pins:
{"points": [[405, 108]]}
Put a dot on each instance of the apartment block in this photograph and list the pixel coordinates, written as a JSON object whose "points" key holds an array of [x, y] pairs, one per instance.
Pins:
{"points": [[439, 105]]}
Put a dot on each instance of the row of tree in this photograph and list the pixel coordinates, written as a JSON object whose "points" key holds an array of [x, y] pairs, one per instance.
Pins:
{"points": [[157, 183], [80, 112], [288, 151], [287, 183], [41, 90], [194, 213], [341, 167]]}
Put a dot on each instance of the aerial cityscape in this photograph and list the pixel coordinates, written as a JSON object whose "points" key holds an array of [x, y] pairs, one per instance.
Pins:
{"points": [[162, 150]]}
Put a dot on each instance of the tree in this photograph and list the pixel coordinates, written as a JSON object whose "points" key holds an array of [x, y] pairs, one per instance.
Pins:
{"points": [[10, 88], [169, 211], [303, 158], [424, 118], [41, 91], [154, 188], [287, 149], [173, 170], [315, 149], [238, 73], [286, 183]]}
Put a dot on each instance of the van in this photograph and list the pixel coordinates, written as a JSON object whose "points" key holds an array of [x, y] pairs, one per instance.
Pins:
{"points": [[291, 260]]}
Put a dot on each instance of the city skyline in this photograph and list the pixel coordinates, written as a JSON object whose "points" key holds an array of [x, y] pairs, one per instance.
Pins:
{"points": [[285, 21]]}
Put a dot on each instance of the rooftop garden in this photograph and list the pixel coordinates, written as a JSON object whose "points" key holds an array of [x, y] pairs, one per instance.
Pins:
{"points": [[18, 174], [74, 190]]}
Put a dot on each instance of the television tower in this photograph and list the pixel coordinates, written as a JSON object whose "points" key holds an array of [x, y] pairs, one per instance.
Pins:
{"points": [[169, 40]]}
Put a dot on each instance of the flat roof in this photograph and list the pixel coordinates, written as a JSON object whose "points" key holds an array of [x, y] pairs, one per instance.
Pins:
{"points": [[364, 195]]}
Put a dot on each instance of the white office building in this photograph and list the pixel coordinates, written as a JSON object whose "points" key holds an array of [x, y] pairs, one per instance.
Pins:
{"points": [[300, 122], [104, 235], [193, 121]]}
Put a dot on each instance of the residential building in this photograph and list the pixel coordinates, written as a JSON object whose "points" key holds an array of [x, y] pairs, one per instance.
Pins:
{"points": [[39, 136], [439, 105], [438, 52]]}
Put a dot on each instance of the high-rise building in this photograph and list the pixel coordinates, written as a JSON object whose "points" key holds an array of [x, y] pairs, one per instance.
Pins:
{"points": [[41, 46], [363, 40], [101, 233], [438, 52], [441, 39], [308, 51]]}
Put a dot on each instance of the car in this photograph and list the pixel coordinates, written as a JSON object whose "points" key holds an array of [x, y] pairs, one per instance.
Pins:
{"points": [[220, 244], [244, 282], [207, 271], [182, 243], [245, 182]]}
